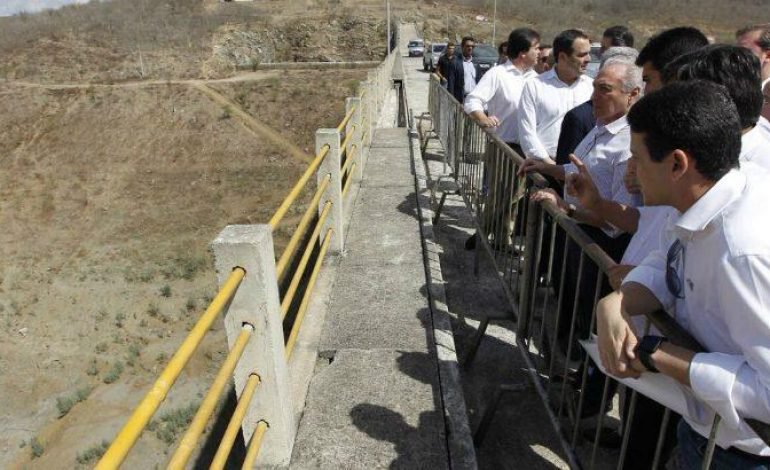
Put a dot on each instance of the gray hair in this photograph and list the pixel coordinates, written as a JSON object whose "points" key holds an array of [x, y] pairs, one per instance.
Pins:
{"points": [[619, 51], [632, 76]]}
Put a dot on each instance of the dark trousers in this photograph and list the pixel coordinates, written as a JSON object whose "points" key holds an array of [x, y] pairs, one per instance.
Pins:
{"points": [[645, 427]]}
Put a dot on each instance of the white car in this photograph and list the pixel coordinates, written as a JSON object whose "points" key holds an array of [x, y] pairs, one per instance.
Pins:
{"points": [[416, 48], [431, 56]]}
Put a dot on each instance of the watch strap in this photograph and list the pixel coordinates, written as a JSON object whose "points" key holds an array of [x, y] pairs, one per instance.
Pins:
{"points": [[646, 348]]}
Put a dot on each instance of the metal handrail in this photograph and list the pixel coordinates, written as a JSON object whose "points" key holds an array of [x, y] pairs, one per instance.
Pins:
{"points": [[190, 439], [299, 232], [292, 341], [280, 213], [349, 182], [234, 426], [291, 291], [345, 120], [133, 428], [254, 445], [349, 159]]}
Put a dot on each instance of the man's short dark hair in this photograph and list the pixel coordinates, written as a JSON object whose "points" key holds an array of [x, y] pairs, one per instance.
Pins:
{"points": [[696, 116], [450, 44], [669, 44], [764, 34], [736, 68], [565, 40], [619, 36], [467, 39], [520, 40]]}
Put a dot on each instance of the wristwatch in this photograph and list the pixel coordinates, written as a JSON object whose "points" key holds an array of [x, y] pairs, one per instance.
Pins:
{"points": [[646, 348], [571, 211]]}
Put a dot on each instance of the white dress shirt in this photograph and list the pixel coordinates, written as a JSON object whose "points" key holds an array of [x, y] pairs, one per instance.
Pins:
{"points": [[764, 127], [651, 233], [725, 274], [544, 102], [469, 75], [500, 90], [605, 152], [755, 147]]}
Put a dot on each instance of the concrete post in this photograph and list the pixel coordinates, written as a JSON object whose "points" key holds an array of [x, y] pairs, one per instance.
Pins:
{"points": [[331, 165], [257, 302], [355, 123]]}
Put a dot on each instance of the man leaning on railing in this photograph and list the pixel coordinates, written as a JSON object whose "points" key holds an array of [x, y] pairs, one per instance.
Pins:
{"points": [[714, 278]]}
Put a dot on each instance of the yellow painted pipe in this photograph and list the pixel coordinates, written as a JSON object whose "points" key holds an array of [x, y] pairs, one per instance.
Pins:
{"points": [[280, 213], [306, 298], [193, 434], [349, 182], [299, 232], [344, 122], [344, 144], [291, 291], [349, 160], [231, 433], [254, 445], [130, 432]]}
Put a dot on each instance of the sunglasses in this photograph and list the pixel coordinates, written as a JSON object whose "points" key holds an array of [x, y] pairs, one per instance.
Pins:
{"points": [[674, 283]]}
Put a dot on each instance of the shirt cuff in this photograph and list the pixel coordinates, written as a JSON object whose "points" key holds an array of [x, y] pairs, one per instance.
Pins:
{"points": [[569, 168], [472, 104], [712, 376], [653, 280]]}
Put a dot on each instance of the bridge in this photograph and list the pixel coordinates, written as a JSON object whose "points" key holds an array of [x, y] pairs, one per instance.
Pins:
{"points": [[375, 339]]}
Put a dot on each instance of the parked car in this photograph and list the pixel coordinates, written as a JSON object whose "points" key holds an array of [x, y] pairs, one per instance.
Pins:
{"points": [[431, 56], [416, 48], [484, 56], [596, 59]]}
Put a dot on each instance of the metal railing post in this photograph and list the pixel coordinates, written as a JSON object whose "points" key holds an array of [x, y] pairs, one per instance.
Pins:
{"points": [[257, 303], [331, 166], [354, 126], [528, 278]]}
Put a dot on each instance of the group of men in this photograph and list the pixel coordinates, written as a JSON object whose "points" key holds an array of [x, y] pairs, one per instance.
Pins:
{"points": [[664, 160]]}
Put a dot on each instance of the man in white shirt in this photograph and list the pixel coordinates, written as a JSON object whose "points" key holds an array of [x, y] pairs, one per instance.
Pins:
{"points": [[499, 92], [756, 38], [714, 279], [547, 98], [738, 70]]}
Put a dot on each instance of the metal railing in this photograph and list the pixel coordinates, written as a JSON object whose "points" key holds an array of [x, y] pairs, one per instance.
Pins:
{"points": [[553, 274], [265, 301]]}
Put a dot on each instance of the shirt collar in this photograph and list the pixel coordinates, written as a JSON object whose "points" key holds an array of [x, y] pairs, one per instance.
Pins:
{"points": [[711, 204], [509, 67], [615, 126], [467, 60]]}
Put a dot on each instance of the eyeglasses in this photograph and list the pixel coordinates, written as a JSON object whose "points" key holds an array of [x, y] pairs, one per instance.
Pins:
{"points": [[674, 283]]}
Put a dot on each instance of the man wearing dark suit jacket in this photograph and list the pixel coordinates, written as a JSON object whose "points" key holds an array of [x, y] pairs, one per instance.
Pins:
{"points": [[462, 72]]}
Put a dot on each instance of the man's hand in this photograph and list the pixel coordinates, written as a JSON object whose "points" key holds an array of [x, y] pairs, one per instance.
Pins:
{"points": [[617, 273], [629, 178], [617, 339], [580, 185], [531, 164], [489, 121], [549, 194]]}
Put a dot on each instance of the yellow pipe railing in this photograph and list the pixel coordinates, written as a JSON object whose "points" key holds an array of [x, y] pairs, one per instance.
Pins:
{"points": [[280, 213], [291, 291], [190, 439], [349, 160], [288, 252], [306, 298], [344, 144], [254, 445], [344, 122], [231, 433], [128, 436], [349, 182]]}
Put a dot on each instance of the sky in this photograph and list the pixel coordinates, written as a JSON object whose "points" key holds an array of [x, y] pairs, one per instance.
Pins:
{"points": [[11, 7]]}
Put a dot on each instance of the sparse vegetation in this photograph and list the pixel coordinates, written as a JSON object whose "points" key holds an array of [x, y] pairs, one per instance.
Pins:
{"points": [[190, 305], [113, 374], [101, 348], [91, 454], [153, 310], [133, 354], [172, 423], [165, 291], [65, 404], [93, 369], [36, 447], [119, 319]]}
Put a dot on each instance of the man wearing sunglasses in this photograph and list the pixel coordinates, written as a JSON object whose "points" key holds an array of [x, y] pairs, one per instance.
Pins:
{"points": [[714, 278]]}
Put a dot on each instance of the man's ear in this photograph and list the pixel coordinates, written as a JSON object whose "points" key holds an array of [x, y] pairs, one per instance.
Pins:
{"points": [[680, 164]]}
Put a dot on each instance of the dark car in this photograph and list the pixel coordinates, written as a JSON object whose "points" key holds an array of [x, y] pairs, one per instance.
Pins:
{"points": [[484, 55]]}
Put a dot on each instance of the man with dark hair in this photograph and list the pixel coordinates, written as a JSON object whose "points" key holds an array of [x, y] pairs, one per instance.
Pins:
{"points": [[737, 69], [544, 59], [714, 279], [502, 52], [665, 47], [617, 36], [756, 38], [499, 92], [547, 97], [462, 72], [442, 68]]}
